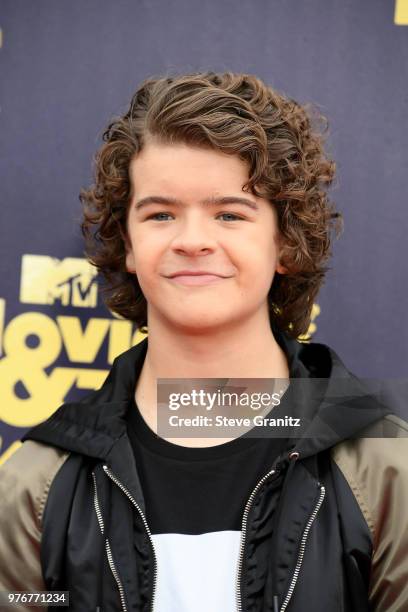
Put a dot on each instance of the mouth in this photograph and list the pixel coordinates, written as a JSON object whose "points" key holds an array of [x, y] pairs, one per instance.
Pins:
{"points": [[195, 279]]}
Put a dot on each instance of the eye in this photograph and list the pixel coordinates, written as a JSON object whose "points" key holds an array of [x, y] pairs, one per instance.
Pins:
{"points": [[156, 215], [235, 217]]}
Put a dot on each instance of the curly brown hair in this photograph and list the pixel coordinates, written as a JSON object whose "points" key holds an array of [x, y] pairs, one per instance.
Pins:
{"points": [[238, 114]]}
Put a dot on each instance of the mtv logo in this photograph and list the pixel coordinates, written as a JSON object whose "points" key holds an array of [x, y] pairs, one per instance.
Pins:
{"points": [[47, 280]]}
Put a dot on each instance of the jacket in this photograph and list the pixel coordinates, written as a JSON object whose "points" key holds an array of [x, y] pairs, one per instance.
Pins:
{"points": [[325, 529]]}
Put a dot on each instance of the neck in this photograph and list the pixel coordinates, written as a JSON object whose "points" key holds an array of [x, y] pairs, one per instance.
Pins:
{"points": [[247, 351], [250, 351]]}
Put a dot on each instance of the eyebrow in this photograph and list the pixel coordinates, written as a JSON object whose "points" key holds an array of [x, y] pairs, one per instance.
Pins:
{"points": [[213, 201]]}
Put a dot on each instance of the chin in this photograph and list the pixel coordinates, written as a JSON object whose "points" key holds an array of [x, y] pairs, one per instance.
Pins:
{"points": [[198, 324]]}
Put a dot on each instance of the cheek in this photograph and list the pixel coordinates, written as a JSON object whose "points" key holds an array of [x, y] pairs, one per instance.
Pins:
{"points": [[258, 254], [268, 251], [145, 250]]}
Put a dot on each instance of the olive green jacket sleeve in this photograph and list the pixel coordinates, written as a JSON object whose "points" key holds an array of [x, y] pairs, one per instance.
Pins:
{"points": [[25, 479], [376, 469]]}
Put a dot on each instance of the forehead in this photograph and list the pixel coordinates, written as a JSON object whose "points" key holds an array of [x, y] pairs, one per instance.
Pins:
{"points": [[175, 167]]}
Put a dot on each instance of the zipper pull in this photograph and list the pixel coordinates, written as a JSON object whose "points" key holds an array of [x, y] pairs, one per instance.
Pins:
{"points": [[275, 603]]}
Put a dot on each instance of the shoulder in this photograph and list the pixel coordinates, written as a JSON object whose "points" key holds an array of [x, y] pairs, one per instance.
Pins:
{"points": [[25, 480], [375, 466], [26, 476]]}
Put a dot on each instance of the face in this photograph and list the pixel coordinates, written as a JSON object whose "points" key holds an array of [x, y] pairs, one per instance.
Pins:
{"points": [[188, 214]]}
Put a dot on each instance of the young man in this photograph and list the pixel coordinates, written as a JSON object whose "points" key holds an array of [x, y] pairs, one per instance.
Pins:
{"points": [[212, 227]]}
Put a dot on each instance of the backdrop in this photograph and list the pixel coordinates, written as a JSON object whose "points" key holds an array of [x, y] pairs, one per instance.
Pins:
{"points": [[67, 68]]}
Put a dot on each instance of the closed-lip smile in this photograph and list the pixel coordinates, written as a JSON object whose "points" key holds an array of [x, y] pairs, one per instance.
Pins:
{"points": [[195, 278], [193, 273]]}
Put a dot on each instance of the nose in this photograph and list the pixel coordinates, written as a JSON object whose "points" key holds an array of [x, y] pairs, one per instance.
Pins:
{"points": [[193, 237]]}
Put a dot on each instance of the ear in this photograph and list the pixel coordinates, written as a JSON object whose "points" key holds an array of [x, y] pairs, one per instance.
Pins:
{"points": [[281, 269], [281, 255], [130, 262], [130, 259]]}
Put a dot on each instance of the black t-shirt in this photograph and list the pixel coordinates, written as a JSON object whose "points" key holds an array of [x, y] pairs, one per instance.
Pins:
{"points": [[195, 500]]}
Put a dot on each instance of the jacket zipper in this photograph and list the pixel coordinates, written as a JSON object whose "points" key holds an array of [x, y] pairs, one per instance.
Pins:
{"points": [[107, 546], [243, 536], [129, 495], [302, 549], [242, 545]]}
